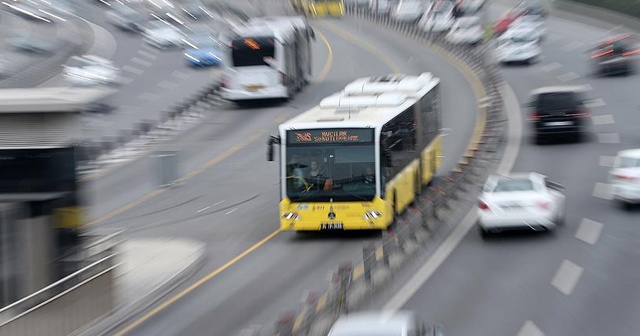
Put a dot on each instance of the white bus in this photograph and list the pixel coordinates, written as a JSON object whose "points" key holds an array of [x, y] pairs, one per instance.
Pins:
{"points": [[361, 156], [269, 58]]}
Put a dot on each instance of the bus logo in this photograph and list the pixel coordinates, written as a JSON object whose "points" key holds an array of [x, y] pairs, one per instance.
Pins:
{"points": [[332, 215]]}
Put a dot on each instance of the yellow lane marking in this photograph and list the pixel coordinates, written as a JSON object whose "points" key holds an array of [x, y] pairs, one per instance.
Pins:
{"points": [[322, 302], [327, 64], [199, 283], [358, 271], [369, 47]]}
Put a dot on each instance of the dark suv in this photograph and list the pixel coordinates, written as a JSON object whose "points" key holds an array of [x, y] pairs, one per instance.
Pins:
{"points": [[615, 56], [558, 111]]}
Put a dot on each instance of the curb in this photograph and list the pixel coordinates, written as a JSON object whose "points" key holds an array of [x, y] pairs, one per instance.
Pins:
{"points": [[121, 315]]}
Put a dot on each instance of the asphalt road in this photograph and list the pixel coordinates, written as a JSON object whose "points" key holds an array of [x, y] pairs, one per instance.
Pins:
{"points": [[232, 204], [581, 279]]}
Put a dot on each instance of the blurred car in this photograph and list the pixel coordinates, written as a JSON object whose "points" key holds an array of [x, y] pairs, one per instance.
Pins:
{"points": [[616, 56], [517, 48], [534, 23], [31, 43], [163, 35], [125, 17], [559, 111], [532, 8], [408, 11], [375, 323], [195, 9], [203, 50], [520, 201], [466, 30], [440, 19], [471, 6], [624, 177], [89, 70], [382, 7]]}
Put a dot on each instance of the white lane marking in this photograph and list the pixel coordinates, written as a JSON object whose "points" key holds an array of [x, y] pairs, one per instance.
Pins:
{"points": [[530, 329], [230, 211], [608, 138], [149, 96], [484, 99], [453, 240], [569, 76], [180, 75], [147, 54], [573, 45], [606, 160], [602, 190], [567, 277], [126, 80], [149, 47], [141, 62], [598, 102], [132, 69], [589, 231], [167, 85], [602, 119], [551, 66], [203, 209], [218, 203]]}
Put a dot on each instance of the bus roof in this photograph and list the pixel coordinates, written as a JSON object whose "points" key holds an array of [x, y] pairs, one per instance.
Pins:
{"points": [[371, 109], [413, 85], [281, 32], [298, 21]]}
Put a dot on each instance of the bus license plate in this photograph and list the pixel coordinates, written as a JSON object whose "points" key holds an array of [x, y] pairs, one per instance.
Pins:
{"points": [[331, 226]]}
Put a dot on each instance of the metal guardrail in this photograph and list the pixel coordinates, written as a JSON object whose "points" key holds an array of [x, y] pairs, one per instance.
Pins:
{"points": [[435, 208]]}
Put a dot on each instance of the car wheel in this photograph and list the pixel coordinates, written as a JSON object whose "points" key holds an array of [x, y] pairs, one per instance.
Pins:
{"points": [[539, 140], [626, 206], [484, 234], [561, 218]]}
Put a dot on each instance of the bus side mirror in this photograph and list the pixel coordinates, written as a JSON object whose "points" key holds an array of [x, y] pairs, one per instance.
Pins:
{"points": [[387, 158], [313, 34], [272, 140]]}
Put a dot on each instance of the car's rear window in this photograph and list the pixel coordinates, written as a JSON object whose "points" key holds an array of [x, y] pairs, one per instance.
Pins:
{"points": [[513, 185], [557, 101], [629, 162]]}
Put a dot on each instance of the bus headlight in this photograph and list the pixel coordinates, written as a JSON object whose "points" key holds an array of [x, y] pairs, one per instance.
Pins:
{"points": [[290, 215], [372, 214]]}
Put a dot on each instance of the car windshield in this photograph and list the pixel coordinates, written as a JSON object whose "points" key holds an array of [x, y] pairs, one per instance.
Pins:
{"points": [[508, 185], [556, 101], [629, 162]]}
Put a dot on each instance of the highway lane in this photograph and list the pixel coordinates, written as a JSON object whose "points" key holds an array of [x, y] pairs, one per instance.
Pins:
{"points": [[579, 280], [235, 202]]}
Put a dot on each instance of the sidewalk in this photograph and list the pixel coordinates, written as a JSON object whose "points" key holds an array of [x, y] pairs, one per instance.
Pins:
{"points": [[148, 270]]}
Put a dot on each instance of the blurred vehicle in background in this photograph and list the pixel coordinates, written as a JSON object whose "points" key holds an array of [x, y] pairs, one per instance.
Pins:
{"points": [[318, 7], [202, 50], [439, 19], [27, 42], [125, 17], [408, 11], [165, 10], [559, 111], [163, 35], [90, 70], [532, 7], [374, 323], [357, 3], [466, 30], [517, 48], [534, 23], [381, 7], [471, 6], [616, 56], [518, 201], [624, 178], [195, 9]]}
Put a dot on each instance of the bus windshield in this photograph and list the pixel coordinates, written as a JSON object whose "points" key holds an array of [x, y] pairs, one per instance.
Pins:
{"points": [[342, 172], [252, 51]]}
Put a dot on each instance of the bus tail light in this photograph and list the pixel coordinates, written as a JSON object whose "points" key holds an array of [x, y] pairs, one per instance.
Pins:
{"points": [[290, 215], [372, 214], [483, 205]]}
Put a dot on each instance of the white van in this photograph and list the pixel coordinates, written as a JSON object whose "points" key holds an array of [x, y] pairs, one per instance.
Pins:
{"points": [[380, 323]]}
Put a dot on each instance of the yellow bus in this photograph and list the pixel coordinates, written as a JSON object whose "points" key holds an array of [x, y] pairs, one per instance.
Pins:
{"points": [[360, 157], [319, 7]]}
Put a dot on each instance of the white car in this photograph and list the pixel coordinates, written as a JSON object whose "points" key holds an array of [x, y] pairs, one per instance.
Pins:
{"points": [[520, 201], [466, 30], [534, 23], [471, 6], [89, 70], [401, 323], [163, 35], [624, 177], [439, 19], [408, 11], [516, 47]]}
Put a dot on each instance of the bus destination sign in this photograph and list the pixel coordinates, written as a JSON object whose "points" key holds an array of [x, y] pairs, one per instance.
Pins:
{"points": [[319, 136]]}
